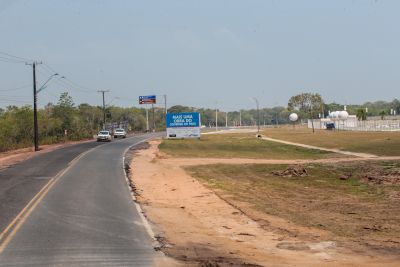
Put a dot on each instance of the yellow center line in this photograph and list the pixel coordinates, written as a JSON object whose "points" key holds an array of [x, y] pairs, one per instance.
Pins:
{"points": [[9, 232], [23, 210], [20, 219]]}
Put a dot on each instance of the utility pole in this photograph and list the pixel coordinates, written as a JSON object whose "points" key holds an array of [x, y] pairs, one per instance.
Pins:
{"points": [[226, 119], [258, 117], [104, 107], [147, 119], [35, 121], [166, 110], [240, 118], [258, 113], [154, 122], [35, 93], [165, 104], [216, 119]]}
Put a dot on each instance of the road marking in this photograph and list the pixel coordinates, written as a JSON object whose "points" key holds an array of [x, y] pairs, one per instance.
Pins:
{"points": [[145, 222], [13, 227]]}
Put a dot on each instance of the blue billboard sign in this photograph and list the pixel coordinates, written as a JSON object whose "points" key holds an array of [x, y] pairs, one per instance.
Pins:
{"points": [[147, 99], [189, 119]]}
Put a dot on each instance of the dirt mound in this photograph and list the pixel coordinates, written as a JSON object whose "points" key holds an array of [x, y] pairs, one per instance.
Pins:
{"points": [[386, 177], [292, 171]]}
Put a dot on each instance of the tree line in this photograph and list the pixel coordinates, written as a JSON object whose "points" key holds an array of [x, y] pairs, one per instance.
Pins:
{"points": [[66, 121]]}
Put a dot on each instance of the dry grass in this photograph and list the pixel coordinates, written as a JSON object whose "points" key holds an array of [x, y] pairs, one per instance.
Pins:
{"points": [[378, 143], [349, 209], [238, 146]]}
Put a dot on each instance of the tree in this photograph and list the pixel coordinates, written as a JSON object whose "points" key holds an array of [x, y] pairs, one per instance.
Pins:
{"points": [[308, 103], [65, 111], [382, 114], [361, 114], [396, 105]]}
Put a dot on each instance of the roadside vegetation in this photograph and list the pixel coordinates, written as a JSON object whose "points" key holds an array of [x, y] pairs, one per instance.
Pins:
{"points": [[60, 122], [359, 201], [237, 146], [66, 121], [377, 143]]}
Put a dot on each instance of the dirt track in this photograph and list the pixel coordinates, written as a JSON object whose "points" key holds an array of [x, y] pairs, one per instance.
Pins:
{"points": [[196, 226]]}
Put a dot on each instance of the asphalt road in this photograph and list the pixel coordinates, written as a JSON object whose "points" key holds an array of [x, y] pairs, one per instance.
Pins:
{"points": [[20, 182], [85, 217]]}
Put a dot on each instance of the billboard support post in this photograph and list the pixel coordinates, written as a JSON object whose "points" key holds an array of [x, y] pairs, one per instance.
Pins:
{"points": [[154, 122], [145, 100], [147, 119]]}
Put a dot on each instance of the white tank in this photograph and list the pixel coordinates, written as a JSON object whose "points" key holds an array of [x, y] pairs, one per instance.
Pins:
{"points": [[334, 115], [293, 117], [343, 115]]}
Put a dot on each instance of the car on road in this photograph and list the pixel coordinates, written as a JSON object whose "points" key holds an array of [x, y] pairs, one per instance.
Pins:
{"points": [[119, 133], [104, 136]]}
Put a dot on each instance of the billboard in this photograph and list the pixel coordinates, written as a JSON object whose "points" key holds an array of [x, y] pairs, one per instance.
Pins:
{"points": [[183, 125], [147, 99]]}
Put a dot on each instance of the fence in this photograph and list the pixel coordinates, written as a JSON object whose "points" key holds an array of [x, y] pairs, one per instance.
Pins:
{"points": [[356, 125]]}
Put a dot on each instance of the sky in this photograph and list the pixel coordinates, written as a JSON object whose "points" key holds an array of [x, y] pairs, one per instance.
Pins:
{"points": [[208, 53]]}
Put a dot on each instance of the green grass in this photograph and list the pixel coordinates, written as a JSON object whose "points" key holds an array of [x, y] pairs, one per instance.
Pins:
{"points": [[378, 143], [322, 200], [238, 146]]}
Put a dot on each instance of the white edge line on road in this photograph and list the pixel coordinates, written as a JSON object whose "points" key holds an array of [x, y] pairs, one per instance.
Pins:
{"points": [[145, 222]]}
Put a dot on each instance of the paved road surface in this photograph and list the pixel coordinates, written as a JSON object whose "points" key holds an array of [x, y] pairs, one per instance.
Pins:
{"points": [[20, 182], [86, 218]]}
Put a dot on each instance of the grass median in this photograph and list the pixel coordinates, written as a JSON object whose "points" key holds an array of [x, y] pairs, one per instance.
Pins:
{"points": [[238, 146], [377, 143]]}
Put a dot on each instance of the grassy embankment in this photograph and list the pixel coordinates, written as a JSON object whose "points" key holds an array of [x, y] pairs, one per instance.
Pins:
{"points": [[377, 143], [238, 146], [352, 207]]}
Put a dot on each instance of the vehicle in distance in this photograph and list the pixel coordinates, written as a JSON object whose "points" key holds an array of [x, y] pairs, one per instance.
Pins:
{"points": [[104, 136], [119, 133]]}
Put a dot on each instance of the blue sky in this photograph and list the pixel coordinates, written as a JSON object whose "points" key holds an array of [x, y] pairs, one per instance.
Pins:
{"points": [[203, 53]]}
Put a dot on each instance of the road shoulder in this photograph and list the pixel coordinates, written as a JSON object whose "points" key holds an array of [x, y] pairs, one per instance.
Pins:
{"points": [[196, 226]]}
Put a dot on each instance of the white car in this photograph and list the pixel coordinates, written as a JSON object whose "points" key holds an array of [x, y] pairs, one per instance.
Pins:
{"points": [[119, 133], [104, 136]]}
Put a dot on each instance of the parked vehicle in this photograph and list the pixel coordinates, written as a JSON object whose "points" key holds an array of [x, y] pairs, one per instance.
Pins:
{"points": [[119, 133], [330, 126], [104, 136]]}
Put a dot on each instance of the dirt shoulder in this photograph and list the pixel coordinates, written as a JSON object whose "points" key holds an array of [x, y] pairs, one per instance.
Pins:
{"points": [[12, 157], [198, 227]]}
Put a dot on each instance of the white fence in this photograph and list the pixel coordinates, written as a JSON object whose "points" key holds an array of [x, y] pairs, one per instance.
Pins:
{"points": [[356, 125]]}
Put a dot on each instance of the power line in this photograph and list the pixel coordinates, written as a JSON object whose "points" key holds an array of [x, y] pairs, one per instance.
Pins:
{"points": [[21, 58], [16, 88], [68, 82], [10, 60], [14, 100]]}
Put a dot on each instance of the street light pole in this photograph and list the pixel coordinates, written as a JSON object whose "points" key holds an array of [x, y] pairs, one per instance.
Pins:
{"points": [[258, 114], [216, 119], [104, 107]]}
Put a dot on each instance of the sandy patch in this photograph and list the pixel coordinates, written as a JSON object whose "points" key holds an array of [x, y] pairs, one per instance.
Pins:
{"points": [[196, 226]]}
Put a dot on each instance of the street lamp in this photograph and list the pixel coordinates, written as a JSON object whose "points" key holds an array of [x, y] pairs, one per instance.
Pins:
{"points": [[258, 113], [46, 82], [35, 92]]}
